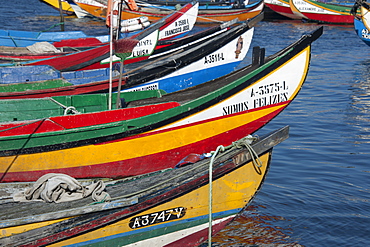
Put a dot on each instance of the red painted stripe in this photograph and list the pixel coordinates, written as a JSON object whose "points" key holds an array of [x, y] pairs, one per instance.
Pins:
{"points": [[83, 120], [81, 42], [63, 62], [176, 15], [280, 9], [149, 163], [200, 237], [129, 211], [330, 18]]}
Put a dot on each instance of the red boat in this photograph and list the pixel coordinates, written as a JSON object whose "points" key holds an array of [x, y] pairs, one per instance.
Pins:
{"points": [[321, 12], [282, 7]]}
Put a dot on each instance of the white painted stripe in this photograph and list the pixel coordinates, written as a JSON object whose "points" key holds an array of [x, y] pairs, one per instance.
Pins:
{"points": [[307, 7], [279, 86], [174, 236]]}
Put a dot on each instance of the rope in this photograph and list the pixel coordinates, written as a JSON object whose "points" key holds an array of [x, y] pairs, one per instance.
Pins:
{"points": [[19, 150], [18, 126], [58, 24], [15, 43], [67, 108], [210, 203], [246, 141], [70, 108], [238, 144], [254, 156]]}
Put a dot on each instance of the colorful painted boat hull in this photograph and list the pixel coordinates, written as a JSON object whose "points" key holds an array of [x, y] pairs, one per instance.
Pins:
{"points": [[220, 53], [94, 58], [362, 32], [175, 212], [219, 63], [282, 7], [204, 15], [323, 12], [224, 114], [166, 26], [66, 7], [25, 38]]}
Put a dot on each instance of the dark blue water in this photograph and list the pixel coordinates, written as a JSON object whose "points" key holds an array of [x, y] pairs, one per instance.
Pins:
{"points": [[317, 192]]}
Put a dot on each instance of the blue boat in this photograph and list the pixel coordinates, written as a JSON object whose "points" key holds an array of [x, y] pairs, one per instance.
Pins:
{"points": [[28, 74], [17, 38], [362, 32], [214, 65], [185, 67]]}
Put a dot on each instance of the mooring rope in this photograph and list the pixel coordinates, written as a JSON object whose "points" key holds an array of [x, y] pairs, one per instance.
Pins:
{"points": [[58, 24], [66, 108], [246, 141]]}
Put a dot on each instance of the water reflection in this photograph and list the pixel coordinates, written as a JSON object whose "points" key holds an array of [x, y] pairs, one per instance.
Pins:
{"points": [[359, 107], [253, 229]]}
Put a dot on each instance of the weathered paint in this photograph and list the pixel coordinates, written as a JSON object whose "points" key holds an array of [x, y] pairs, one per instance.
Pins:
{"points": [[187, 73], [6, 232], [227, 200], [171, 211]]}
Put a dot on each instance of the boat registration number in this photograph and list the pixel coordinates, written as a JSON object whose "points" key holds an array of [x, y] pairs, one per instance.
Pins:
{"points": [[157, 217]]}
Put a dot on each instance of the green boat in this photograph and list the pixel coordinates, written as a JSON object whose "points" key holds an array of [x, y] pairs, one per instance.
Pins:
{"points": [[165, 127]]}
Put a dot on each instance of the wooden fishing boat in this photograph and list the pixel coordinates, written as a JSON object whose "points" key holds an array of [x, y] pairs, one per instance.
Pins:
{"points": [[176, 207], [93, 58], [168, 26], [42, 50], [220, 111], [80, 13], [181, 67], [152, 43], [222, 15], [154, 13], [21, 74], [362, 32], [282, 7], [360, 11], [16, 38], [323, 12], [66, 7], [222, 4]]}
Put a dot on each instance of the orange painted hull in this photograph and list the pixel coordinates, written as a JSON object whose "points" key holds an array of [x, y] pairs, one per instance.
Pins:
{"points": [[204, 15]]}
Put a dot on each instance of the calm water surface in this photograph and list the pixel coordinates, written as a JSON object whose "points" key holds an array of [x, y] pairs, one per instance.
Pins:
{"points": [[318, 189]]}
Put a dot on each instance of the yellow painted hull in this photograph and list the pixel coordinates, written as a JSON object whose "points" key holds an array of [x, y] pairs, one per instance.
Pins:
{"points": [[204, 16], [231, 193], [66, 7], [87, 156]]}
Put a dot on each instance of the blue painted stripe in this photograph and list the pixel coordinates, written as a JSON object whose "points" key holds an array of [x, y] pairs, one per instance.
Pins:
{"points": [[176, 83], [362, 31], [202, 219]]}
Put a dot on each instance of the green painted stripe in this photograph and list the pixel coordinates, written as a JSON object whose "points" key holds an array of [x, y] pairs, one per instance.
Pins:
{"points": [[21, 87], [152, 232]]}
